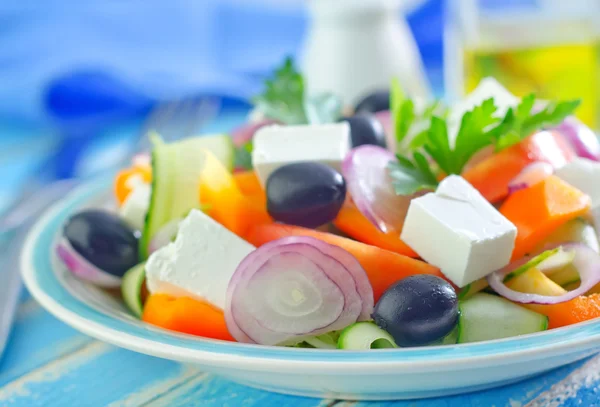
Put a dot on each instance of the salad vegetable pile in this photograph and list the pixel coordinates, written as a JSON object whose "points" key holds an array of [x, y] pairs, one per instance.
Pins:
{"points": [[403, 223]]}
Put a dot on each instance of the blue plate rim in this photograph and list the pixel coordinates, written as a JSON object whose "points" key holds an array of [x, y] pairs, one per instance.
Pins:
{"points": [[43, 284]]}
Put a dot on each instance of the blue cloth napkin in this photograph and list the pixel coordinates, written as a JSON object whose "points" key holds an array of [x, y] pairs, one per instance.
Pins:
{"points": [[90, 60], [93, 68]]}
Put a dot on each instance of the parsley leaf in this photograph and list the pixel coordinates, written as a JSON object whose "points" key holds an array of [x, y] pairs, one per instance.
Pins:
{"points": [[403, 111], [473, 134], [323, 108], [520, 123], [284, 99], [409, 177], [552, 115]]}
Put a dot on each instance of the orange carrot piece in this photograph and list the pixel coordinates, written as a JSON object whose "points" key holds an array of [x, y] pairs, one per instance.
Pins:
{"points": [[353, 223], [224, 201], [383, 267], [248, 182], [123, 184], [186, 315], [492, 176], [570, 312], [540, 209]]}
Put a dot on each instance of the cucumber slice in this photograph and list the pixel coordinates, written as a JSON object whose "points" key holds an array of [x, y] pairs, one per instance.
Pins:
{"points": [[537, 260], [533, 281], [486, 317], [221, 145], [176, 170], [449, 339], [365, 335], [566, 276], [131, 289], [473, 288], [577, 230]]}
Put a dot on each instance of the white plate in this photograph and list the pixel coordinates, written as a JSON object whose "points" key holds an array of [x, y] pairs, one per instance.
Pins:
{"points": [[368, 375]]}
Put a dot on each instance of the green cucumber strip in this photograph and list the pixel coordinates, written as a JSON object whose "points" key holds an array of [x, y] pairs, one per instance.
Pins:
{"points": [[176, 169], [473, 288], [565, 276], [577, 230], [221, 145], [131, 289], [486, 317], [556, 262], [531, 264], [365, 335], [449, 339]]}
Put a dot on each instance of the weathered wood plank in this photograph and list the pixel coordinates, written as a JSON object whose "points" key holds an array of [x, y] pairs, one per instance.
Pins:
{"points": [[212, 391], [515, 395], [96, 375], [582, 383], [36, 339]]}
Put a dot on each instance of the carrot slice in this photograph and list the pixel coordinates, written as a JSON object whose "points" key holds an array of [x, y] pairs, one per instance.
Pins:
{"points": [[187, 315], [224, 201], [383, 267], [540, 209], [352, 222], [492, 176], [248, 182], [125, 180], [579, 309]]}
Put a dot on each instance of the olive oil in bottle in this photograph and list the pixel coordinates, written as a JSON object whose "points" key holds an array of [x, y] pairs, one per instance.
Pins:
{"points": [[550, 47]]}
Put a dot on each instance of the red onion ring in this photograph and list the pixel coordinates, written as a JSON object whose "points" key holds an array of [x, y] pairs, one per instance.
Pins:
{"points": [[83, 269], [385, 118], [532, 174], [583, 140], [258, 311], [365, 169], [587, 263], [245, 132]]}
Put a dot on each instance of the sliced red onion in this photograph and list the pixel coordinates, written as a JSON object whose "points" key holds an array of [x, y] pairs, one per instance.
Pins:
{"points": [[164, 236], [244, 133], [385, 118], [586, 262], [583, 139], [295, 287], [365, 169], [532, 174], [83, 269], [363, 286]]}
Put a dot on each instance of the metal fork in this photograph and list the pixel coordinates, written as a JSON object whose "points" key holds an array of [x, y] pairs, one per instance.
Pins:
{"points": [[173, 121]]}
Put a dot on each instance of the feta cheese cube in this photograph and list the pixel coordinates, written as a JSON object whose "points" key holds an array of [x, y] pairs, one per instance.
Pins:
{"points": [[200, 262], [584, 175], [460, 232], [276, 146]]}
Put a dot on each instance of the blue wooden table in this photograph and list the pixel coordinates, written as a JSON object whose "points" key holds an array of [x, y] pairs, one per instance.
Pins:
{"points": [[49, 364]]}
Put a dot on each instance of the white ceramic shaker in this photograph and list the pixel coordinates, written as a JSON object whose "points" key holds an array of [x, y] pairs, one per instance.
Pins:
{"points": [[354, 47]]}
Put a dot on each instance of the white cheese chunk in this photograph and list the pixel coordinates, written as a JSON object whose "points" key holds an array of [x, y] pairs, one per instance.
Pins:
{"points": [[200, 262], [460, 232], [135, 207], [584, 175], [276, 146]]}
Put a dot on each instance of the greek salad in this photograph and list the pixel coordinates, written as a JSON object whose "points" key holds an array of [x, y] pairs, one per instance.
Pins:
{"points": [[393, 223]]}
